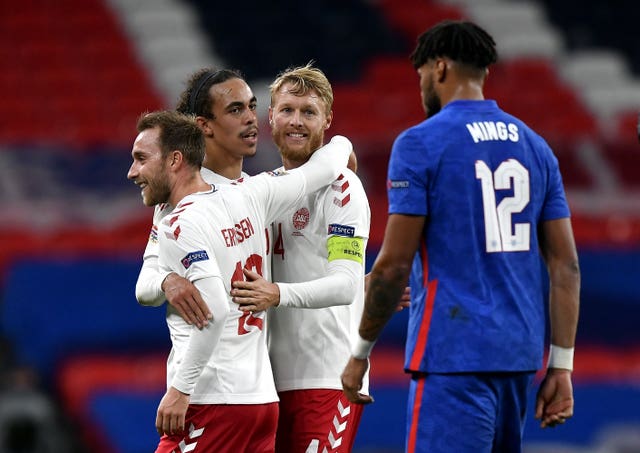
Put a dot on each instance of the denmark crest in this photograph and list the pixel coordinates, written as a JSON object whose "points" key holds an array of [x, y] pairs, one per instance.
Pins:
{"points": [[300, 218]]}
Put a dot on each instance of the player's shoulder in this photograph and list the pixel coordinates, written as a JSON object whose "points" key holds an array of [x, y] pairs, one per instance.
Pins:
{"points": [[346, 191], [194, 207], [347, 181], [160, 211]]}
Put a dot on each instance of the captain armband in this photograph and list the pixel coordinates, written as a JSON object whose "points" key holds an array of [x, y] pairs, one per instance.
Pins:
{"points": [[345, 248], [560, 357]]}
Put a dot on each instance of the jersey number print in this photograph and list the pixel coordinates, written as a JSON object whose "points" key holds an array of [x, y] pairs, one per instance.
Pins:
{"points": [[254, 262], [501, 234]]}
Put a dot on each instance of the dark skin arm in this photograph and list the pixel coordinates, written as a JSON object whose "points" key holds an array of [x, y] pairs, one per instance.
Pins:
{"points": [[387, 283], [554, 402]]}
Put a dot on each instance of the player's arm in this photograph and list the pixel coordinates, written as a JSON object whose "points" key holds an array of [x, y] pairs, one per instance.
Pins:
{"points": [[347, 231], [154, 285], [149, 284], [338, 287], [326, 164], [388, 279], [170, 417], [555, 397], [275, 194]]}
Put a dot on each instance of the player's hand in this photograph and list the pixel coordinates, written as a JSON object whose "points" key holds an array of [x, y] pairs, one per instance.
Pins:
{"points": [[405, 299], [554, 401], [172, 412], [186, 299], [352, 377], [254, 294]]}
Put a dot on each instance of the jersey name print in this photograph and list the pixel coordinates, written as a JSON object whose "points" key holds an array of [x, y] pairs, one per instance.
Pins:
{"points": [[238, 233]]}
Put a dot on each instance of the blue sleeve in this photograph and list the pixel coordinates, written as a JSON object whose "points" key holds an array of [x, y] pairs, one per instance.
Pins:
{"points": [[407, 175], [555, 203]]}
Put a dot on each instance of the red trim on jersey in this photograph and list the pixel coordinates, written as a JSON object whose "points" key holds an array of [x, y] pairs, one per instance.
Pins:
{"points": [[340, 187], [341, 203], [415, 417], [425, 263], [182, 205], [421, 342]]}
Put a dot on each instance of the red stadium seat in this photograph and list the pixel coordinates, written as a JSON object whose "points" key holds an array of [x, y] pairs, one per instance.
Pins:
{"points": [[74, 69]]}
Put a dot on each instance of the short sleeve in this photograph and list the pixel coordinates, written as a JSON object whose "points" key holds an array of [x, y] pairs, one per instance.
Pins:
{"points": [[184, 250], [407, 175], [346, 207], [555, 204]]}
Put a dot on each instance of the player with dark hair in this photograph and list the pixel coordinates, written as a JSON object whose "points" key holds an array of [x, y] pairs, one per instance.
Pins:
{"points": [[225, 109], [220, 393], [475, 200]]}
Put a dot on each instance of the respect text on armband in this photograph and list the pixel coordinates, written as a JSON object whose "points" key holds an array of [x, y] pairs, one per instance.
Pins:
{"points": [[343, 248], [342, 230]]}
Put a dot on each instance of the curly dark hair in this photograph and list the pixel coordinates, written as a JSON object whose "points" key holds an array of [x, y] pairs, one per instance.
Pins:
{"points": [[463, 42]]}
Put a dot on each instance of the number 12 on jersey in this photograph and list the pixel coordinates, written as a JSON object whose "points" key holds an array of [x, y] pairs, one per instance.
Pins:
{"points": [[248, 319], [501, 234]]}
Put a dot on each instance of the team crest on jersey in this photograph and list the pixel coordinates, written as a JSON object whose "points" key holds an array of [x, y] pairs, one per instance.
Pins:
{"points": [[391, 184], [153, 234], [301, 218], [200, 255], [342, 230]]}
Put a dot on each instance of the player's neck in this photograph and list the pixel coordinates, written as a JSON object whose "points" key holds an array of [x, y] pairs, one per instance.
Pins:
{"points": [[223, 164], [187, 185], [470, 90]]}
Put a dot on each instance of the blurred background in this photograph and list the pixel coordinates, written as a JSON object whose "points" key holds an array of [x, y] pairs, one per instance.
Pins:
{"points": [[82, 366]]}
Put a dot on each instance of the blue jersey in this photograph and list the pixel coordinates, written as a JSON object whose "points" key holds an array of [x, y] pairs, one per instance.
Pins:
{"points": [[485, 182]]}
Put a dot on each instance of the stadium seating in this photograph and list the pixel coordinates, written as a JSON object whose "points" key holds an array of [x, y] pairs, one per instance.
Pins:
{"points": [[62, 78], [73, 85]]}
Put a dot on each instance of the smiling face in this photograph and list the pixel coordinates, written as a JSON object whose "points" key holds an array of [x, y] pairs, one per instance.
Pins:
{"points": [[235, 122], [297, 124], [149, 168]]}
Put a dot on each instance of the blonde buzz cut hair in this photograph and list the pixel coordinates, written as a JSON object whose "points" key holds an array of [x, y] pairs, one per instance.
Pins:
{"points": [[304, 79]]}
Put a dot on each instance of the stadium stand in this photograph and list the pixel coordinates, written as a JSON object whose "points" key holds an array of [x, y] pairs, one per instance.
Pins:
{"points": [[73, 80], [73, 229]]}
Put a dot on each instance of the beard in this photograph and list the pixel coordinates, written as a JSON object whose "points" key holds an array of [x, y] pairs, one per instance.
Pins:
{"points": [[432, 106], [431, 100], [298, 152], [157, 190]]}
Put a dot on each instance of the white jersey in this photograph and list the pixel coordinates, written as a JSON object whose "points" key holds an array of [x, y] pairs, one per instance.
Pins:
{"points": [[217, 234], [162, 209], [211, 236], [309, 348]]}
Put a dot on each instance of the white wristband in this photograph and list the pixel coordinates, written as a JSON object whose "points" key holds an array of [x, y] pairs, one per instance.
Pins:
{"points": [[362, 348], [560, 357]]}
